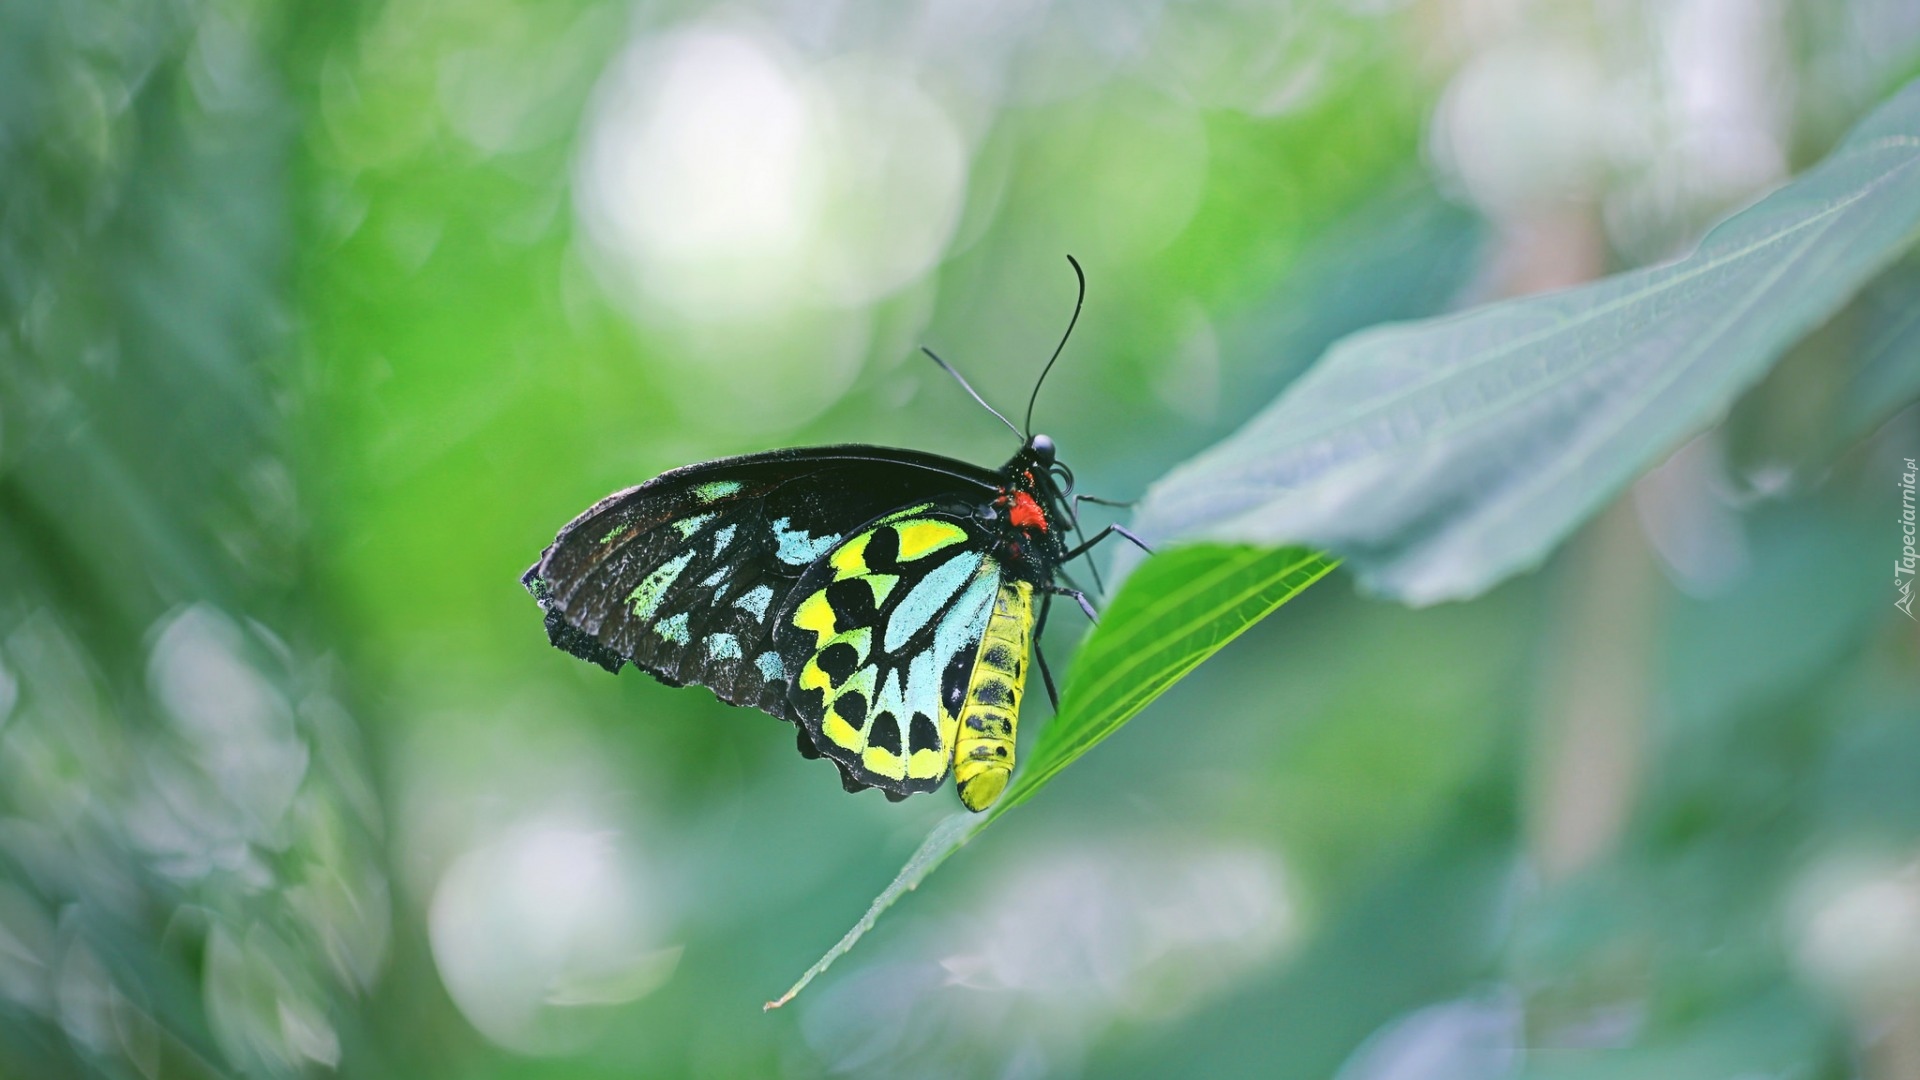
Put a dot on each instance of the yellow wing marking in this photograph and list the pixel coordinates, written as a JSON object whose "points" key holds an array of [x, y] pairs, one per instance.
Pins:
{"points": [[814, 677], [900, 515], [836, 728], [883, 762], [919, 539], [850, 559], [927, 764], [882, 584], [839, 728], [815, 614]]}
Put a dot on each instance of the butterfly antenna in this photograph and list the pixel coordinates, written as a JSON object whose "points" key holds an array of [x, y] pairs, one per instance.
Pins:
{"points": [[968, 387], [1081, 299]]}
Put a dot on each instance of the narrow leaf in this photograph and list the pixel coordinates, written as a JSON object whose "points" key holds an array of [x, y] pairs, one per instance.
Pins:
{"points": [[944, 840], [1182, 607], [1444, 456]]}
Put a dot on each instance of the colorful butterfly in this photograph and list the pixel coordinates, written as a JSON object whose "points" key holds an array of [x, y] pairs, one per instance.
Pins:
{"points": [[883, 600]]}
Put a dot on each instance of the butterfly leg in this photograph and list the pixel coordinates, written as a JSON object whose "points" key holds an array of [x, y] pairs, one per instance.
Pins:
{"points": [[1073, 515], [1085, 604], [1039, 655], [1114, 530], [1099, 586]]}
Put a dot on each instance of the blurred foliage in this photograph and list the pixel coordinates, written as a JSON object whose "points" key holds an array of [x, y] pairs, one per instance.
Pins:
{"points": [[317, 320], [191, 881]]}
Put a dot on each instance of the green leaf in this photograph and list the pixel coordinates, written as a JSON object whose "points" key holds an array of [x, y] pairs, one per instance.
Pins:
{"points": [[1180, 608], [1446, 455], [1886, 372], [1186, 606]]}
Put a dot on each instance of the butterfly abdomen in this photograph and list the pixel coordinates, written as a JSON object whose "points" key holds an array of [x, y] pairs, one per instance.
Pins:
{"points": [[983, 750]]}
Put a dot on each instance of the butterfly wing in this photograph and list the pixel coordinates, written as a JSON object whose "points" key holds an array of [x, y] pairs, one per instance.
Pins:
{"points": [[687, 575], [881, 641]]}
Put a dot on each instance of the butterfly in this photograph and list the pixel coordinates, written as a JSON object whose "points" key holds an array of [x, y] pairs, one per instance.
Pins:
{"points": [[883, 600]]}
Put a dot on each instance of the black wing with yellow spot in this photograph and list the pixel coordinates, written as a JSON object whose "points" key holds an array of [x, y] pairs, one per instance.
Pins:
{"points": [[882, 640], [690, 575]]}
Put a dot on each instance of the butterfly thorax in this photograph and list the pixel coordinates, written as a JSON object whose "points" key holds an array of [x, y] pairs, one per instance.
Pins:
{"points": [[1024, 515]]}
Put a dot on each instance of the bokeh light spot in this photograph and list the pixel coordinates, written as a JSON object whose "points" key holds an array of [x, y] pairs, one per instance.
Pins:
{"points": [[550, 917]]}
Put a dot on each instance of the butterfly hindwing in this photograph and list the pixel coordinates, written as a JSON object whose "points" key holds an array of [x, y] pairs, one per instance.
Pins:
{"points": [[880, 641], [687, 575]]}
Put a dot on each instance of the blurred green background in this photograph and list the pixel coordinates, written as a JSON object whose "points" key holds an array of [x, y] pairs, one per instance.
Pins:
{"points": [[318, 319]]}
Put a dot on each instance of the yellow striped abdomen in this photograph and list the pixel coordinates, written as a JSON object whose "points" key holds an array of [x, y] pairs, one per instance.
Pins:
{"points": [[983, 750]]}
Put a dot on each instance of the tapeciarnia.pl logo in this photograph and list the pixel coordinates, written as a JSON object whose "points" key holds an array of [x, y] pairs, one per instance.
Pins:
{"points": [[1904, 565]]}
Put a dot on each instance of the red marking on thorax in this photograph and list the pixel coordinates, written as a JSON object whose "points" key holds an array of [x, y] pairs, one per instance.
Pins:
{"points": [[1026, 513]]}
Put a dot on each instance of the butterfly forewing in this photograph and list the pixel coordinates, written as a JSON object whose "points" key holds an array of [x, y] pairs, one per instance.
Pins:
{"points": [[687, 575], [880, 640]]}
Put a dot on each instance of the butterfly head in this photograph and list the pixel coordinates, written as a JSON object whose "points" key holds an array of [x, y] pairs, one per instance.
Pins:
{"points": [[1037, 464], [1037, 473], [1041, 447]]}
